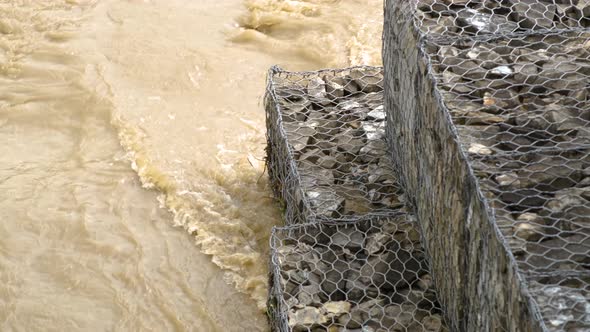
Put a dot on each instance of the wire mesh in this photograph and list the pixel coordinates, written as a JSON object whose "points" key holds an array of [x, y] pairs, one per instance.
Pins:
{"points": [[326, 155], [368, 275], [489, 122], [440, 19], [527, 135]]}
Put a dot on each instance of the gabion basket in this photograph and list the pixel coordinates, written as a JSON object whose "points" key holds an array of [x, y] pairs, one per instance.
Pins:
{"points": [[326, 154], [367, 275], [442, 20], [489, 119]]}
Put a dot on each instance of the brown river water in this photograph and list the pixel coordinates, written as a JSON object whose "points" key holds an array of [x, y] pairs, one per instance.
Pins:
{"points": [[132, 192]]}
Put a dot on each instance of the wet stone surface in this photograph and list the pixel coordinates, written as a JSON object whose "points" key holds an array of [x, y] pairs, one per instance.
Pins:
{"points": [[566, 302], [334, 125], [361, 276]]}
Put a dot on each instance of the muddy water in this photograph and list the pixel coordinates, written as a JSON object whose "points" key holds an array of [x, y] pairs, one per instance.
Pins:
{"points": [[122, 119]]}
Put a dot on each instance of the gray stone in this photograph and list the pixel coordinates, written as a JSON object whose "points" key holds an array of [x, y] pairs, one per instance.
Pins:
{"points": [[563, 252], [373, 130], [570, 206], [533, 14], [525, 72], [376, 243], [425, 282], [350, 144], [479, 149], [336, 308], [376, 269], [325, 202], [478, 22], [367, 79], [312, 176], [551, 173], [442, 25], [349, 105], [349, 237], [297, 276], [421, 299], [529, 227], [502, 71], [372, 150], [357, 205], [377, 114], [328, 162], [309, 295], [317, 88], [349, 86], [567, 308], [298, 135], [400, 317], [482, 118], [488, 57], [432, 323], [335, 86], [509, 180], [362, 314], [310, 157], [306, 317]]}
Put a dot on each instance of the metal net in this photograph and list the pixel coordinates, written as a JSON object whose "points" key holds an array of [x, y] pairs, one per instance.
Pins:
{"points": [[351, 258], [525, 126], [326, 155], [490, 118], [443, 19], [368, 275]]}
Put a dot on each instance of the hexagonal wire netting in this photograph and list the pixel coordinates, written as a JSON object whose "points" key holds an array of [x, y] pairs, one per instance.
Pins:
{"points": [[526, 131], [326, 153], [368, 275], [513, 78], [445, 19], [351, 260]]}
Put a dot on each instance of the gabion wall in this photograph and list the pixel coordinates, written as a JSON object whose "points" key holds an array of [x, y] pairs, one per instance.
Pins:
{"points": [[368, 275], [488, 115], [351, 258], [326, 153]]}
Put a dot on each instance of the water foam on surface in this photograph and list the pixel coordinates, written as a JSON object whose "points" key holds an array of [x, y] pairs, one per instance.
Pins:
{"points": [[161, 79]]}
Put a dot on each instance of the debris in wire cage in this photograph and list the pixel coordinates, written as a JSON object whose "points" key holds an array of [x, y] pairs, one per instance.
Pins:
{"points": [[368, 275]]}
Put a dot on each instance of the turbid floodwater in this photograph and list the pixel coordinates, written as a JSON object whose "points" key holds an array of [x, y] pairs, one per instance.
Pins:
{"points": [[132, 187]]}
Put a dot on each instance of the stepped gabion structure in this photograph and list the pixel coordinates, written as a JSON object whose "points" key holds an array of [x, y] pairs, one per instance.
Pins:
{"points": [[350, 258], [368, 275], [327, 156], [489, 120]]}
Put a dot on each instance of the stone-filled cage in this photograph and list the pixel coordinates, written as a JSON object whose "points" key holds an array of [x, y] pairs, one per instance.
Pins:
{"points": [[326, 153], [350, 257], [488, 112]]}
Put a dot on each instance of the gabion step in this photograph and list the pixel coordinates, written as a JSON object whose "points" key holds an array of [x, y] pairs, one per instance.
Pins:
{"points": [[326, 155], [351, 258], [368, 275]]}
